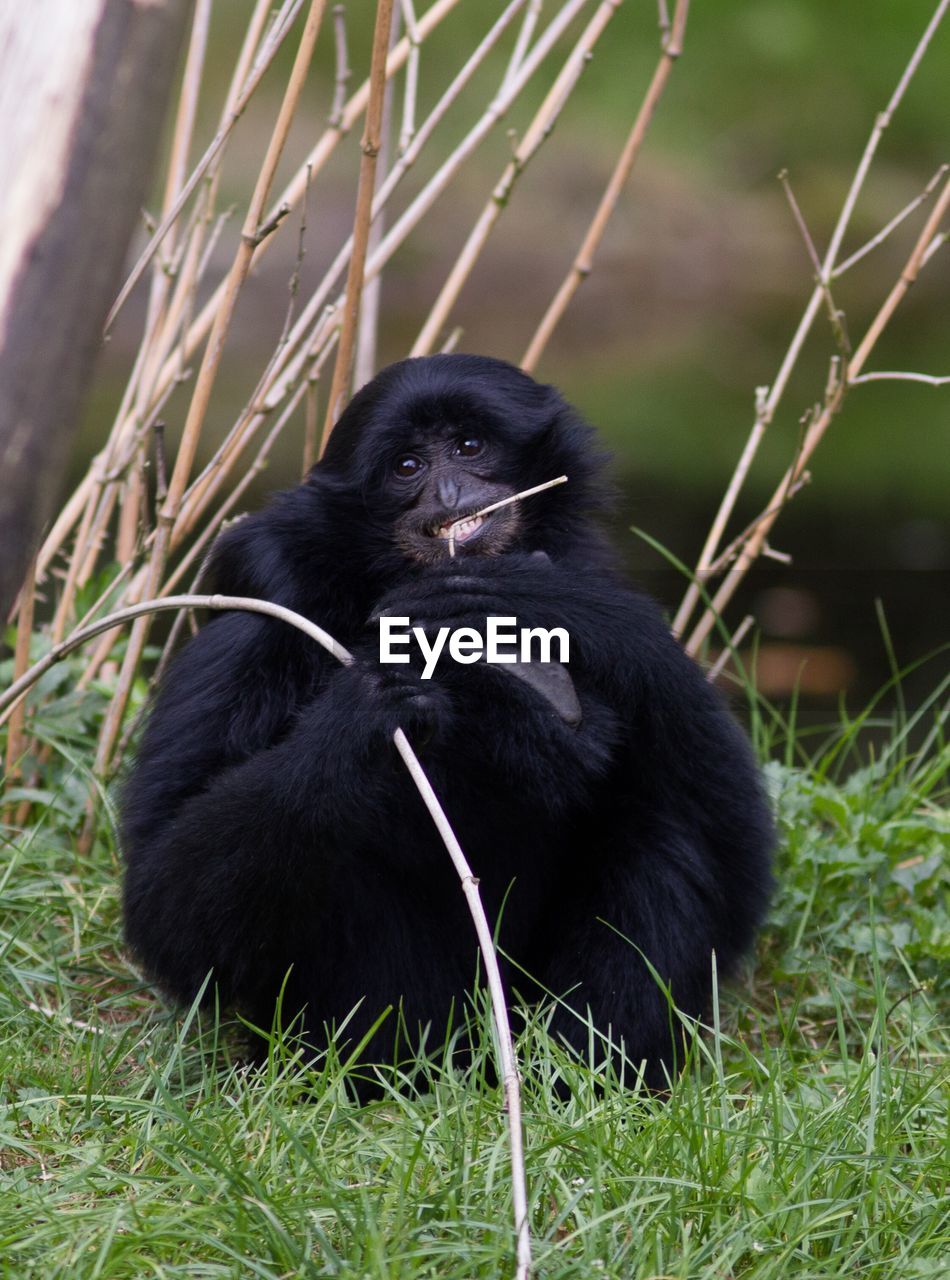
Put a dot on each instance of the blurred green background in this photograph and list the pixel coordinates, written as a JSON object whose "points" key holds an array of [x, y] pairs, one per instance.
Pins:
{"points": [[696, 292]]}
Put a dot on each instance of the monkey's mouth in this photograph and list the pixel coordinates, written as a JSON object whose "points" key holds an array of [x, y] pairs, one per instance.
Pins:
{"points": [[431, 537], [459, 530]]}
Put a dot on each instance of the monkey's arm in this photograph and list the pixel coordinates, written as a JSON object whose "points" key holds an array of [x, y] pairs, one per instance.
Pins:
{"points": [[678, 868], [233, 816]]}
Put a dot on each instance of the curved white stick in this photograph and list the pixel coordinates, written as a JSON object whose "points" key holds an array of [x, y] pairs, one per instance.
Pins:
{"points": [[509, 1069]]}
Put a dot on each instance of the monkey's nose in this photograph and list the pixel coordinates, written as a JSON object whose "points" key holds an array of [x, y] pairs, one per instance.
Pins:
{"points": [[448, 491]]}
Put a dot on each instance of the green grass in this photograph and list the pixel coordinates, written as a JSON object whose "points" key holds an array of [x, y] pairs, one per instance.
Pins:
{"points": [[807, 1137]]}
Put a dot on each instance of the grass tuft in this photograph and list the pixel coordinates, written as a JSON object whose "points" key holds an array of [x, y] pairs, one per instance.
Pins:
{"points": [[807, 1135]]}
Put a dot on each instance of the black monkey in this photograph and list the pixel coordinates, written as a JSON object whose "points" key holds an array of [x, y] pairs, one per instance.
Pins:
{"points": [[269, 827]]}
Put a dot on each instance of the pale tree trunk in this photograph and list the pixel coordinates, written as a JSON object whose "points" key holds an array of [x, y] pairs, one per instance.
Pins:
{"points": [[83, 90]]}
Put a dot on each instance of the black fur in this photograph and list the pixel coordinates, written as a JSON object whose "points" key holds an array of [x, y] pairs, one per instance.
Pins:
{"points": [[269, 825]]}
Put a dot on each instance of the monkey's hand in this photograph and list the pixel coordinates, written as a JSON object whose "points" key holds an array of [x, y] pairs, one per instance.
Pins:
{"points": [[374, 700], [465, 593]]}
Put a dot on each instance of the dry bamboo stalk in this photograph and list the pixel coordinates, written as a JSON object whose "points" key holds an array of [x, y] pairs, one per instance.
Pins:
{"points": [[292, 195], [881, 375], [523, 42], [367, 328], [311, 427], [295, 355], [294, 386], [240, 90], [175, 176], [108, 498], [503, 100], [183, 133], [204, 383], [756, 540], [538, 130], [280, 30], [228, 450], [774, 396], [103, 649], [261, 402], [199, 328], [210, 526], [740, 633], [16, 740], [72, 511], [64, 605], [907, 277], [250, 239], [343, 73], [894, 223], [158, 330], [469, 882], [130, 512], [369, 147], [300, 346], [102, 497], [506, 1051], [407, 126], [91, 670], [582, 265], [270, 393]]}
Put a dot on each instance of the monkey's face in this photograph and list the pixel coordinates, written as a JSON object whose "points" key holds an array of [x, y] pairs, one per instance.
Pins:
{"points": [[430, 442], [440, 484]]}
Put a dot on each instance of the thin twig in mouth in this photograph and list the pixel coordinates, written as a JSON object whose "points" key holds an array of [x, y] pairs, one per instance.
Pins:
{"points": [[503, 502]]}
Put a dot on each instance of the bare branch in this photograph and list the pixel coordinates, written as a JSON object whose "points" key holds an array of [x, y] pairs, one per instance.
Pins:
{"points": [[717, 668], [907, 277], [663, 19], [523, 42], [672, 45], [800, 221], [364, 209], [408, 126], [927, 378], [469, 882], [343, 72], [281, 28], [206, 377], [506, 1052], [536, 133], [766, 411], [367, 333], [16, 741], [757, 539], [894, 223], [283, 370]]}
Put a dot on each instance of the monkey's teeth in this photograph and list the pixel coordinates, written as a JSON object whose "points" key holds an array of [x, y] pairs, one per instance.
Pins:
{"points": [[463, 528]]}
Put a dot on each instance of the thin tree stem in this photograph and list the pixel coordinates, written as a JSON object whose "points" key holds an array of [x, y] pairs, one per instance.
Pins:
{"points": [[506, 1052], [207, 374], [766, 412], [583, 263], [370, 146]]}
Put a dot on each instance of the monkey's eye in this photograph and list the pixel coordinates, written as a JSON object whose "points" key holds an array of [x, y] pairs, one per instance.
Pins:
{"points": [[408, 466], [469, 447]]}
